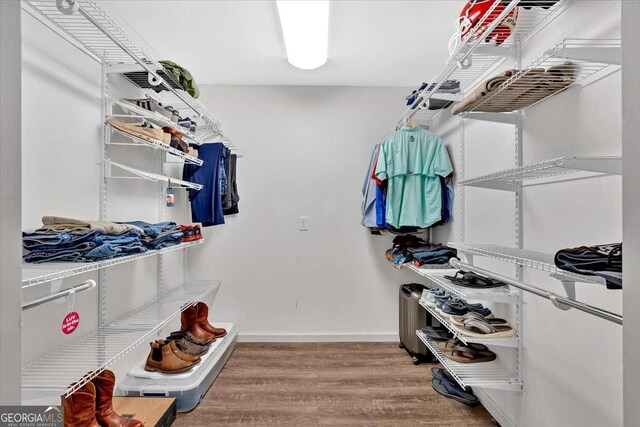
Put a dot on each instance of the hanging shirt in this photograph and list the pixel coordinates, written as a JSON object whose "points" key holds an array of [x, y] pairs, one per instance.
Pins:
{"points": [[412, 159], [369, 193]]}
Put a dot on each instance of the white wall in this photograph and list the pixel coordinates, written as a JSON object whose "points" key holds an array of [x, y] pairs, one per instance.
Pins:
{"points": [[306, 154], [571, 362]]}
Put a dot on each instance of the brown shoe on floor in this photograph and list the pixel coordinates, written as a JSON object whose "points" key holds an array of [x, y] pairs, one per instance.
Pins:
{"points": [[106, 416], [189, 323], [203, 321], [163, 359], [182, 355], [80, 407], [189, 336], [187, 346]]}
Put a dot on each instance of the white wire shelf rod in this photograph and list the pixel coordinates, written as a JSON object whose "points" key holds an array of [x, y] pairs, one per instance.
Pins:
{"points": [[560, 301], [527, 258], [151, 176], [38, 274], [511, 342], [483, 375]]}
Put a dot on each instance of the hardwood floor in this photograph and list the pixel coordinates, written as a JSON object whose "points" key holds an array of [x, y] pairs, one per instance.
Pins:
{"points": [[327, 384]]}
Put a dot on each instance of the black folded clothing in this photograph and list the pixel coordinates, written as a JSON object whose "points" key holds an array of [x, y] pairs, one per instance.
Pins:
{"points": [[407, 241], [599, 260]]}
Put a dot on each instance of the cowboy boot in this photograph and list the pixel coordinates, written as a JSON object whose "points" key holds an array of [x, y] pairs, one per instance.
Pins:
{"points": [[189, 323], [106, 416], [203, 321], [182, 355], [80, 407]]}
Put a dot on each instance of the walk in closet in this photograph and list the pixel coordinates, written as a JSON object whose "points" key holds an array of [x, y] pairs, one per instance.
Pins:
{"points": [[160, 268]]}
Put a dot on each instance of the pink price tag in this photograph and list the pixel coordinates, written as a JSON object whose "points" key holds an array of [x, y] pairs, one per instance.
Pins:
{"points": [[70, 322]]}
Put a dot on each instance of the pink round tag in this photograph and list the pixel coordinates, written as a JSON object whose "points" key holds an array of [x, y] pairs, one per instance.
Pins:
{"points": [[70, 322]]}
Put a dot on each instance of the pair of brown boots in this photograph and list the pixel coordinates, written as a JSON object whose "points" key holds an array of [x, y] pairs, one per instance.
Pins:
{"points": [[166, 357], [92, 405], [195, 320]]}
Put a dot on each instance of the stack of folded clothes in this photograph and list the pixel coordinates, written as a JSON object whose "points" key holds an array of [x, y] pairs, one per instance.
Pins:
{"points": [[152, 133], [525, 88], [72, 240], [599, 260], [413, 249], [448, 86]]}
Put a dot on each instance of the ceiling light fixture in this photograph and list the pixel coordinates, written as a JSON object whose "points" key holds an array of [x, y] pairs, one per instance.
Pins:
{"points": [[305, 27]]}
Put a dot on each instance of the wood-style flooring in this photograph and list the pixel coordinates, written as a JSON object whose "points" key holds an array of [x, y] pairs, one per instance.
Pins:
{"points": [[327, 384]]}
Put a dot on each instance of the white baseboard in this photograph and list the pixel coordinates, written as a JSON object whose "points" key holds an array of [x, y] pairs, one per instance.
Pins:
{"points": [[496, 412], [318, 337]]}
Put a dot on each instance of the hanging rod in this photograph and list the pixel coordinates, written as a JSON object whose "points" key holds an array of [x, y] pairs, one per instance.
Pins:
{"points": [[89, 284], [559, 301]]}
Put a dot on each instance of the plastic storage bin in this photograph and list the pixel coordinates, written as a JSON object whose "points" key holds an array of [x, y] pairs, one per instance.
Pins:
{"points": [[189, 387]]}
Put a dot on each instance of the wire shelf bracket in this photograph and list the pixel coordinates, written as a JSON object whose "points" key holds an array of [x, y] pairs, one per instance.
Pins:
{"points": [[482, 375], [508, 180]]}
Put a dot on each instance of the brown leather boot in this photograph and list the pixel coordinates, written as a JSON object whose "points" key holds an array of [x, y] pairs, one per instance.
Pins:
{"points": [[203, 321], [80, 407], [188, 347], [163, 359], [182, 355], [189, 336], [106, 416], [189, 323]]}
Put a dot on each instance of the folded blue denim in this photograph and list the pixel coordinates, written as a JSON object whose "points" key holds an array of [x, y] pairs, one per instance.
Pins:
{"points": [[165, 239], [153, 230], [68, 255], [110, 250], [59, 240]]}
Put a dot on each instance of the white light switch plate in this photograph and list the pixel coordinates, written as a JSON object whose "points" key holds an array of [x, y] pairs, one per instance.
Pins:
{"points": [[303, 223]]}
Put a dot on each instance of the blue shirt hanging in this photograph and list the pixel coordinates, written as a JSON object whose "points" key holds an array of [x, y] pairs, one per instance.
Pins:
{"points": [[206, 204]]}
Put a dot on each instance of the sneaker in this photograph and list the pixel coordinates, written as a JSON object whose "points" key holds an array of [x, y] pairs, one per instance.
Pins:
{"points": [[197, 231], [188, 234]]}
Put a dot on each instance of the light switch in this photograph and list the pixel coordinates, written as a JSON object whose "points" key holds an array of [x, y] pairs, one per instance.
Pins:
{"points": [[303, 222]]}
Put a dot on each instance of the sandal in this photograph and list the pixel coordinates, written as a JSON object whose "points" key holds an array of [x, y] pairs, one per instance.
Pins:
{"points": [[454, 342], [483, 329], [459, 320], [453, 390], [470, 279], [464, 354]]}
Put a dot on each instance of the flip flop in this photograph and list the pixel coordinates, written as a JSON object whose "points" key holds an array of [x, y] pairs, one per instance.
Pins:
{"points": [[454, 342], [441, 374], [464, 354], [482, 329], [454, 391], [459, 320], [470, 279]]}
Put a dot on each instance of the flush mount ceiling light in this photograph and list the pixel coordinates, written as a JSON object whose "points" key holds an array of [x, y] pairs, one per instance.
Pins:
{"points": [[305, 27]]}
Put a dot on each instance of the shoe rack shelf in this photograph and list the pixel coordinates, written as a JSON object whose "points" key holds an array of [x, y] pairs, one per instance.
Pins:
{"points": [[80, 360], [39, 274], [499, 342], [474, 59], [436, 277], [532, 259], [155, 145], [150, 176], [586, 56], [483, 375], [509, 179], [156, 118]]}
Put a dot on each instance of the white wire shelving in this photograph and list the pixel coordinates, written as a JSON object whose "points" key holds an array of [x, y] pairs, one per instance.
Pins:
{"points": [[39, 274], [527, 258], [508, 179], [150, 176], [91, 29], [483, 375], [157, 145], [568, 63], [155, 118], [501, 294], [500, 342], [474, 58], [85, 357]]}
